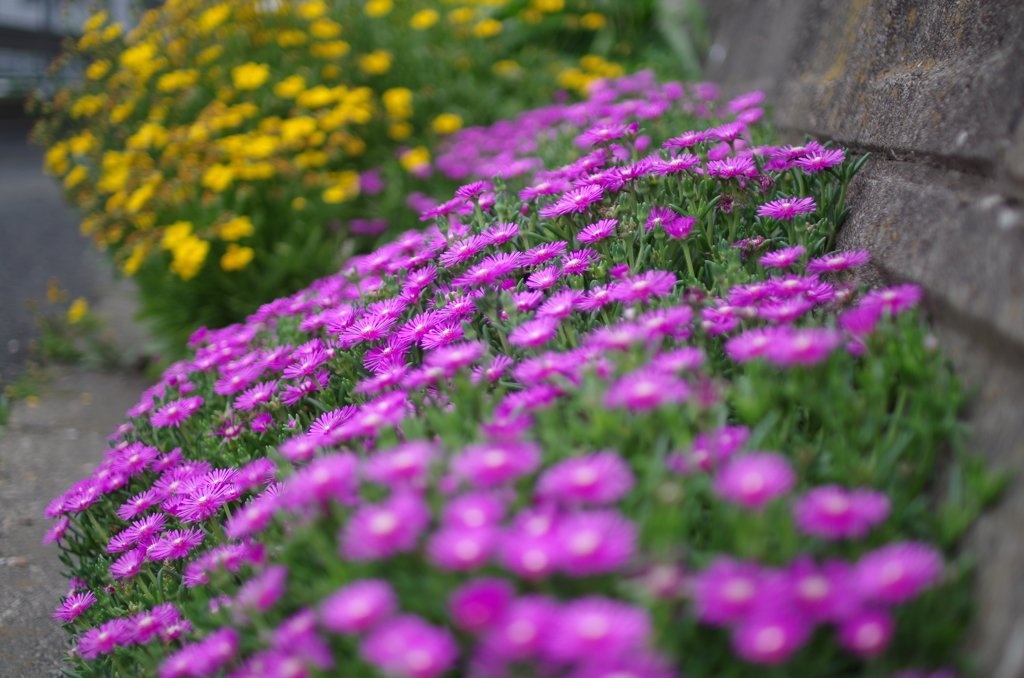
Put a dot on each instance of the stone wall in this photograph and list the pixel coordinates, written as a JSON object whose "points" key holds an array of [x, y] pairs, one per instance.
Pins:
{"points": [[935, 90]]}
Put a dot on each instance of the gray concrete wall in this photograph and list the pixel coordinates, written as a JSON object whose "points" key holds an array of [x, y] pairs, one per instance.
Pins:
{"points": [[935, 89]]}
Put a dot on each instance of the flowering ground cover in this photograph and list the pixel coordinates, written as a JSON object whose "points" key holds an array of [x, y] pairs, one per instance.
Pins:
{"points": [[620, 410]]}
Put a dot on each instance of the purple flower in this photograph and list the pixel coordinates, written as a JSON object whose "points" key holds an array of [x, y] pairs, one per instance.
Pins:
{"points": [[403, 466], [176, 411], [686, 140], [128, 565], [378, 531], [529, 549], [490, 270], [479, 603], [816, 162], [892, 300], [594, 627], [263, 590], [770, 636], [754, 479], [643, 286], [806, 346], [544, 278], [679, 163], [543, 252], [729, 168], [600, 134], [260, 393], [787, 208], [860, 321], [898, 572], [600, 478], [594, 542], [146, 625], [783, 258], [327, 478], [473, 511], [104, 639], [74, 605], [824, 593], [574, 201], [458, 549], [832, 512], [496, 463], [501, 233], [726, 592], [838, 261], [408, 647], [534, 332], [646, 389], [597, 231], [866, 633], [175, 544], [578, 261], [358, 607], [520, 632]]}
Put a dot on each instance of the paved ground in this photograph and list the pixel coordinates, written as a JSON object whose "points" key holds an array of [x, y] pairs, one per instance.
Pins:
{"points": [[38, 240], [48, 447], [44, 450]]}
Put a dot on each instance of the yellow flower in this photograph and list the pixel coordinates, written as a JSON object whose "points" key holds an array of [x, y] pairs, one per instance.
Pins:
{"points": [[189, 256], [415, 158], [121, 112], [82, 143], [299, 204], [88, 225], [97, 69], [325, 29], [333, 49], [175, 80], [398, 102], [213, 17], [290, 87], [376, 62], [239, 227], [378, 7], [424, 19], [505, 68], [593, 21], [75, 176], [236, 258], [548, 5], [462, 15], [112, 32], [292, 38], [88, 105], [79, 307], [132, 263], [399, 130], [330, 72], [295, 129], [250, 75], [140, 197], [487, 28], [94, 22], [312, 9], [175, 234], [57, 158], [317, 97], [145, 221], [262, 146], [137, 58], [54, 293], [211, 53], [345, 188], [355, 147], [447, 123], [218, 177]]}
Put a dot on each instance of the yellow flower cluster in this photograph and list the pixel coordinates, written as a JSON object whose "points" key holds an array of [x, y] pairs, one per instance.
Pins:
{"points": [[210, 115]]}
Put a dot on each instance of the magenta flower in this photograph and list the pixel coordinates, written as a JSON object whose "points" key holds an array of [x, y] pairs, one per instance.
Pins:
{"points": [[787, 208], [860, 321], [838, 261], [74, 605], [378, 531], [408, 647], [686, 140], [263, 590], [473, 511], [754, 479], [679, 163], [594, 542], [600, 134], [866, 633], [128, 565], [462, 250], [534, 332], [330, 477], [816, 162], [770, 637], [543, 252], [479, 603], [822, 593], [456, 549], [544, 278], [600, 478], [595, 627], [404, 466], [898, 572], [806, 346], [146, 625], [597, 231], [832, 512], [578, 261], [176, 411], [104, 639], [783, 258], [260, 393], [496, 463], [520, 632], [175, 544], [501, 233], [643, 286], [358, 607], [57, 530], [892, 300], [490, 270], [646, 389], [138, 505], [574, 201], [729, 168], [726, 592]]}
